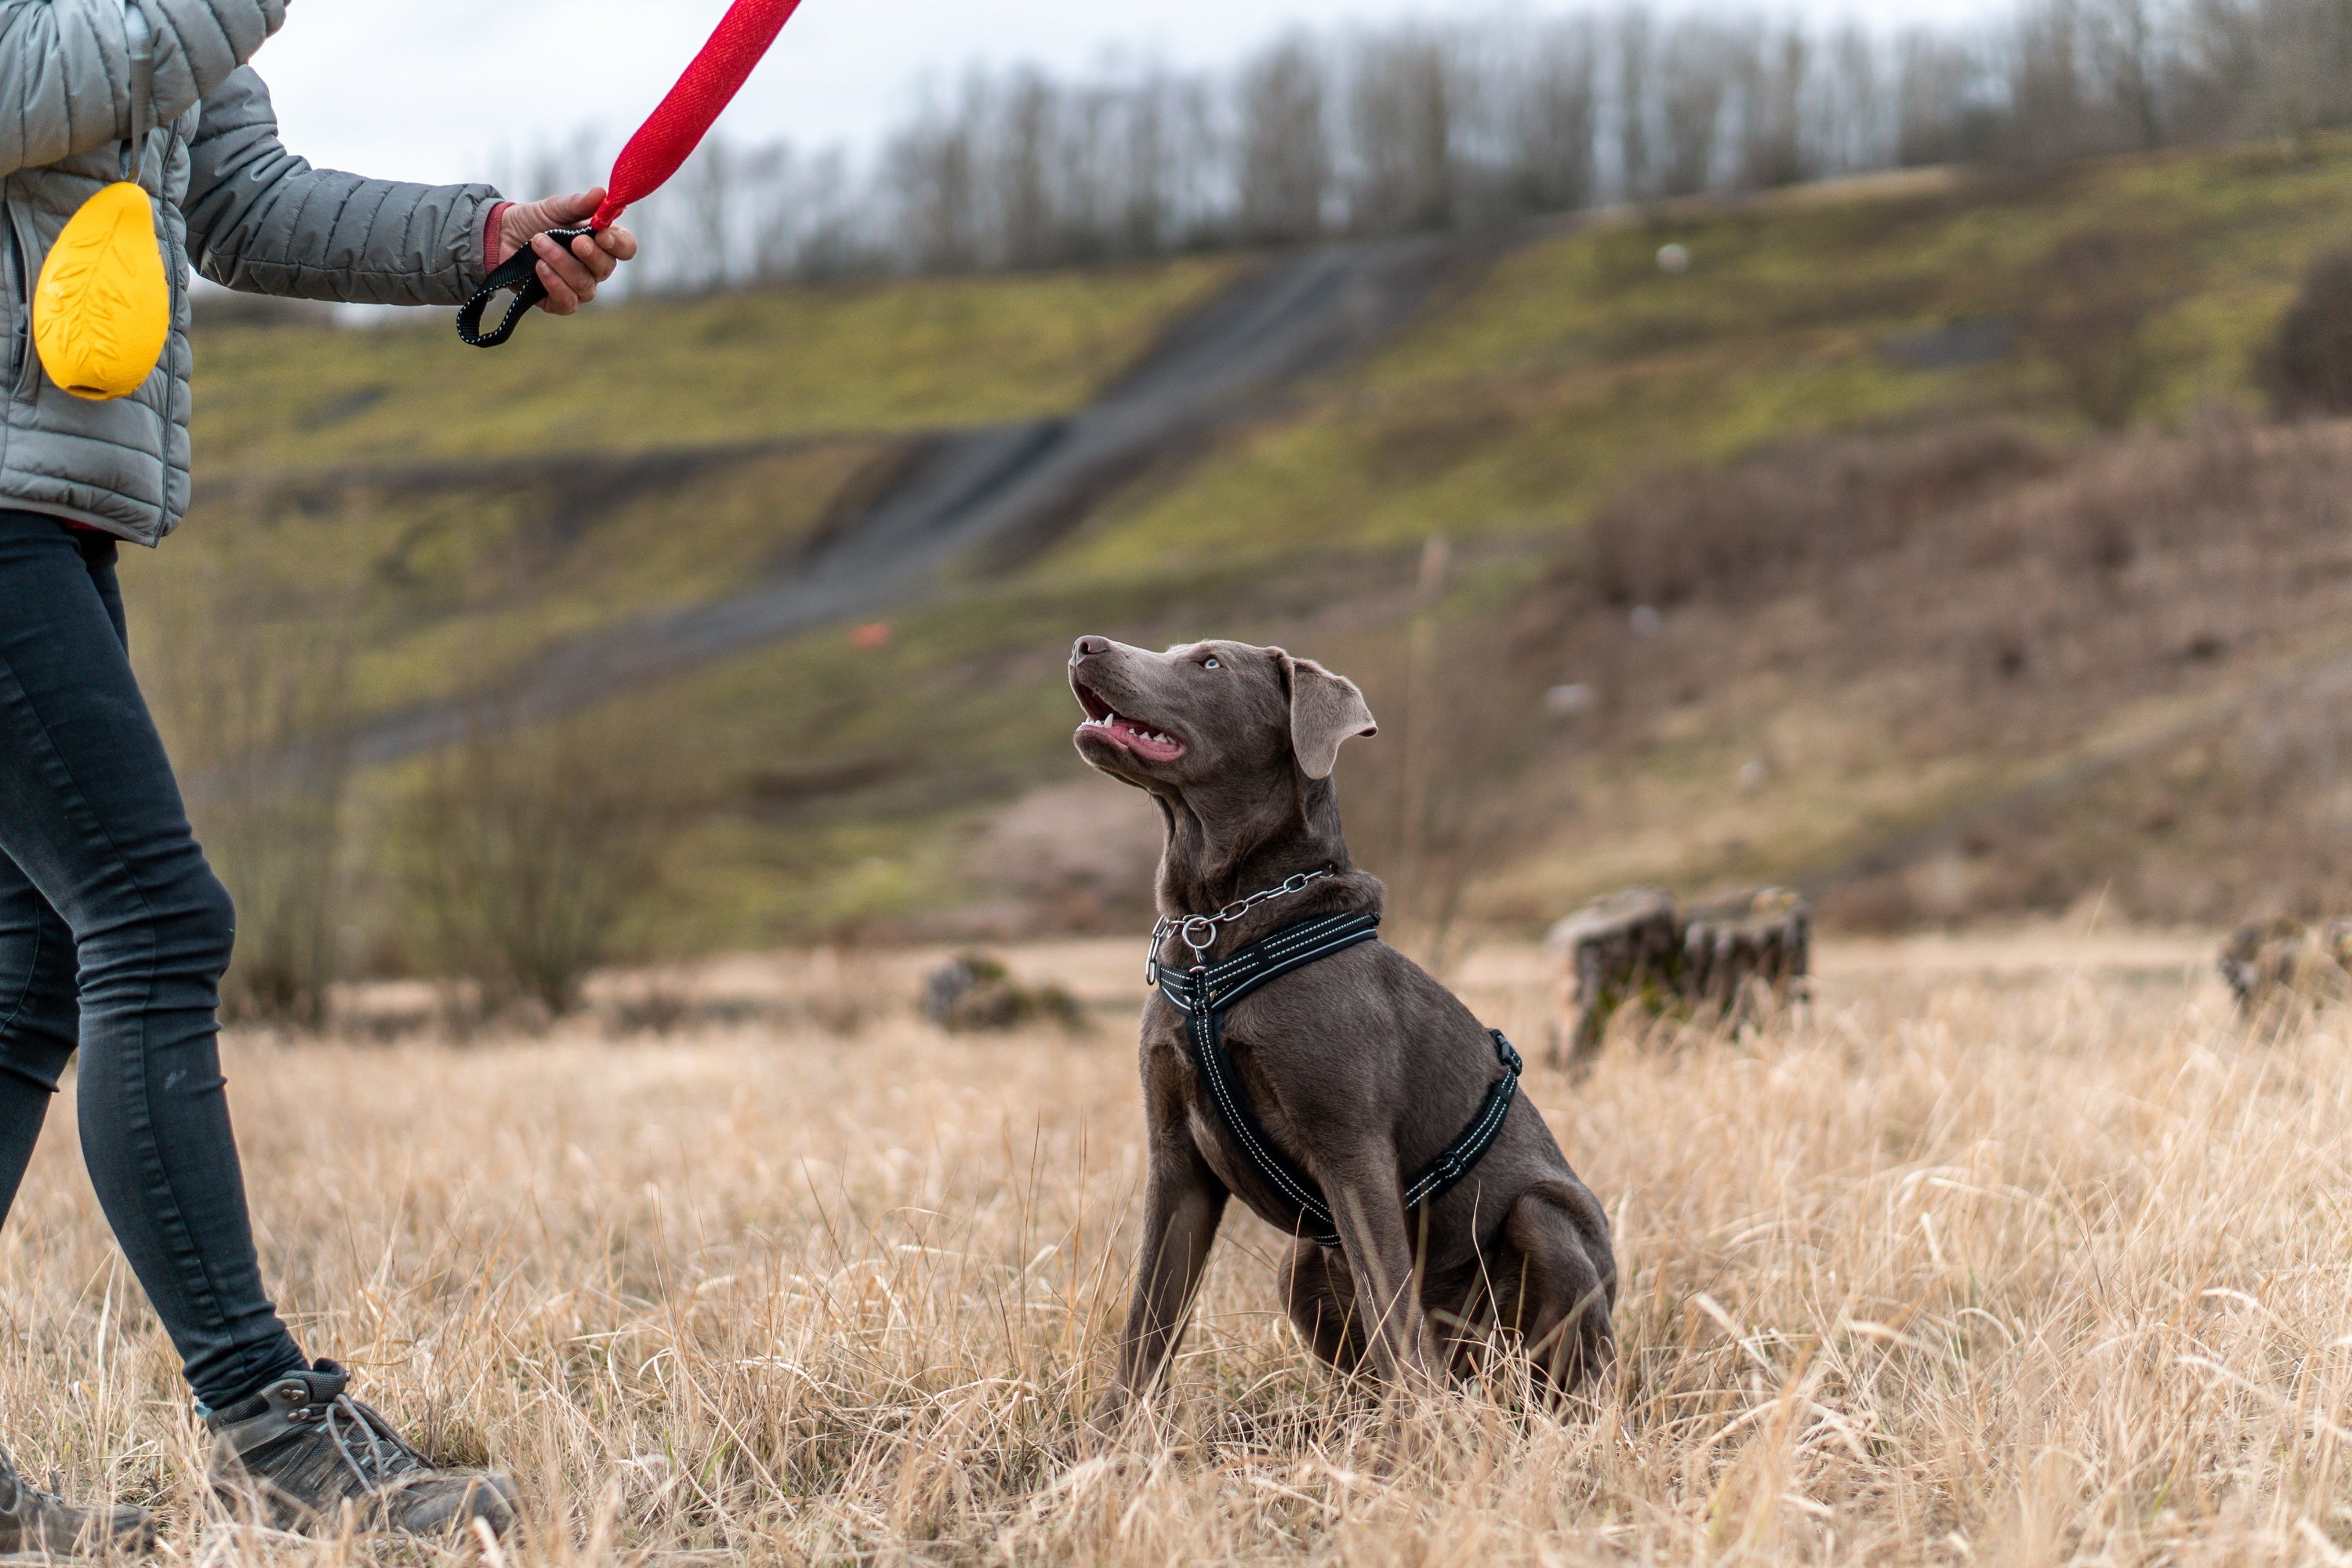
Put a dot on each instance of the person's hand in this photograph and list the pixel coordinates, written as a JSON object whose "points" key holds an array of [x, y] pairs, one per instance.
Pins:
{"points": [[571, 276]]}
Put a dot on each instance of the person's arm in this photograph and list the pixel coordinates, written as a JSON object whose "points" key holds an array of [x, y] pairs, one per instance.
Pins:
{"points": [[75, 75], [265, 221]]}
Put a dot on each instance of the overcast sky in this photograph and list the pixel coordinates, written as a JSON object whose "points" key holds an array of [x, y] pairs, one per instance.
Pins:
{"points": [[436, 89]]}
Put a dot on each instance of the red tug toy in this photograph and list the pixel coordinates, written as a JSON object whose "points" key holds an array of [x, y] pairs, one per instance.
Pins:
{"points": [[673, 130]]}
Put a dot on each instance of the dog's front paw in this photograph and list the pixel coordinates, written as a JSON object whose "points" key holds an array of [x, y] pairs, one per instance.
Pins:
{"points": [[1106, 1426]]}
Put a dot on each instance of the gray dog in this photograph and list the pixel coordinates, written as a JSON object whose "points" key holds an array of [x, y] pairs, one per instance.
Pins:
{"points": [[1359, 1068]]}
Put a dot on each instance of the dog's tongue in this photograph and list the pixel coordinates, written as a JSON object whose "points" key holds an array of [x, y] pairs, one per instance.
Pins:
{"points": [[1148, 743]]}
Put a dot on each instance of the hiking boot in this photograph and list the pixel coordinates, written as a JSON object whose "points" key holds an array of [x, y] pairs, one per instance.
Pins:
{"points": [[33, 1521], [303, 1449]]}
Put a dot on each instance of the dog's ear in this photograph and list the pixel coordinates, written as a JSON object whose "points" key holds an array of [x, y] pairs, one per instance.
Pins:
{"points": [[1324, 709]]}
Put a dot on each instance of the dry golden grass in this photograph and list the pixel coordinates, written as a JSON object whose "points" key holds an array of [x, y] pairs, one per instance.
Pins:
{"points": [[2011, 1262]]}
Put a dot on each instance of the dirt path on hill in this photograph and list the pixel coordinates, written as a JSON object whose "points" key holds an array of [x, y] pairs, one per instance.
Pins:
{"points": [[995, 496]]}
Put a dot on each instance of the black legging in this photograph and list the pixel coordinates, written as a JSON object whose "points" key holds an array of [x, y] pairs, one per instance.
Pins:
{"points": [[114, 935]]}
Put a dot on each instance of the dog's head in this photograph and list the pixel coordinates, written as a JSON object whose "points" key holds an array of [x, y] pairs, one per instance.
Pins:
{"points": [[1219, 715]]}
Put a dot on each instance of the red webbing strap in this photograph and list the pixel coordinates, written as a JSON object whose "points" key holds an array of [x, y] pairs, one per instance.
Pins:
{"points": [[679, 123], [674, 130]]}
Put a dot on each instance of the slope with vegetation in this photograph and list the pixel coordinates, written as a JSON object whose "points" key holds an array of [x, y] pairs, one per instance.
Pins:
{"points": [[1980, 339]]}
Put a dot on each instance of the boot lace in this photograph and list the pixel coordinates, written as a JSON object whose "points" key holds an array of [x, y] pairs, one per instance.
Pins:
{"points": [[366, 1443]]}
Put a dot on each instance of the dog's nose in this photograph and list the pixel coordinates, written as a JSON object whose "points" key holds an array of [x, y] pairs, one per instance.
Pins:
{"points": [[1086, 645]]}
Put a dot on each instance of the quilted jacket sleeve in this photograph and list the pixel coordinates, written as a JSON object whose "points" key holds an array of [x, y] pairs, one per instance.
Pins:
{"points": [[262, 220], [75, 75]]}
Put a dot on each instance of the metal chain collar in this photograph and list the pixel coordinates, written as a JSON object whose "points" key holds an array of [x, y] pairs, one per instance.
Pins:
{"points": [[1207, 925]]}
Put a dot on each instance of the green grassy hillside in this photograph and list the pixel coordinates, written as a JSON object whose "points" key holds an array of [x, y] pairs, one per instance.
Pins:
{"points": [[729, 369], [460, 509]]}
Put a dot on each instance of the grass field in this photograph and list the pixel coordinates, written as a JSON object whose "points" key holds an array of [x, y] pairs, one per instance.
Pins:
{"points": [[2016, 1250]]}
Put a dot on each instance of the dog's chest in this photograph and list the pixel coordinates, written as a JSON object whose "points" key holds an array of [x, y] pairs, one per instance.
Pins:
{"points": [[1169, 1066]]}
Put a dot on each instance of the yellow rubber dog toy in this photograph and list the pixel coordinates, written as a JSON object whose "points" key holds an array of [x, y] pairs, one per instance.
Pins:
{"points": [[103, 310]]}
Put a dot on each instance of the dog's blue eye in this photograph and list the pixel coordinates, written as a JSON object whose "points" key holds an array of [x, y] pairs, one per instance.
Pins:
{"points": [[1209, 663]]}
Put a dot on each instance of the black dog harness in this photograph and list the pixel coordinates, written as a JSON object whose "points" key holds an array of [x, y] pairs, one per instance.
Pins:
{"points": [[1204, 995]]}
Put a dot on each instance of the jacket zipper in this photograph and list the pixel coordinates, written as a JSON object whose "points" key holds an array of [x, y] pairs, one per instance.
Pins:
{"points": [[20, 329]]}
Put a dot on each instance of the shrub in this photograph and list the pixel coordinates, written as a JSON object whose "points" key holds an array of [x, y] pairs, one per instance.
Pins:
{"points": [[1738, 532], [534, 853], [2086, 314], [251, 686], [1433, 802], [2307, 368]]}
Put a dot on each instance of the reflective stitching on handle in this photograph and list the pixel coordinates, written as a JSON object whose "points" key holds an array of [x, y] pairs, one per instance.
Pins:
{"points": [[518, 272]]}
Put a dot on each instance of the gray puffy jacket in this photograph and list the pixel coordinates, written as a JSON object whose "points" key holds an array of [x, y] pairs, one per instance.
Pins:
{"points": [[158, 91]]}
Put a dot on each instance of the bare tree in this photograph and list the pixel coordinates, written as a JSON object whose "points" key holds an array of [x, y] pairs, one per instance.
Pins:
{"points": [[1772, 97], [2302, 80], [931, 169], [1550, 147], [2124, 49], [1285, 148], [2050, 114], [2216, 71], [1695, 73], [1141, 205], [1020, 189], [1403, 105], [1940, 116], [829, 224], [705, 190], [1634, 94], [1433, 125], [1848, 113]]}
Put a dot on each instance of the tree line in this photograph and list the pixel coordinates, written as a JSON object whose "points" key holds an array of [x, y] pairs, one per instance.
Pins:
{"points": [[1428, 126]]}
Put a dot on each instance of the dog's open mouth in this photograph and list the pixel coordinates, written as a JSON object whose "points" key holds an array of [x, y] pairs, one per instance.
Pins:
{"points": [[1128, 734]]}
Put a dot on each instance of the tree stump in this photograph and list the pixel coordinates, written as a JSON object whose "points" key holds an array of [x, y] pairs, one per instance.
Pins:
{"points": [[1744, 948], [1626, 945], [975, 991], [2276, 966], [1730, 955]]}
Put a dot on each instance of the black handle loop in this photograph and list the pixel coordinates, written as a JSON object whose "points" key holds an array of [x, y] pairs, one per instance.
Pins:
{"points": [[518, 272]]}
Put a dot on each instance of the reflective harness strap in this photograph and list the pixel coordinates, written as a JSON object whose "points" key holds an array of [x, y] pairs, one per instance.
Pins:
{"points": [[1208, 993]]}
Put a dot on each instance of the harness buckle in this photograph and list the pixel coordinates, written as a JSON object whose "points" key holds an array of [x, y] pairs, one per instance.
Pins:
{"points": [[1508, 1052]]}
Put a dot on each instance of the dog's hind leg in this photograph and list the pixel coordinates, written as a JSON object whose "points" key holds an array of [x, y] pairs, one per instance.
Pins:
{"points": [[1321, 1300], [1557, 1282]]}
